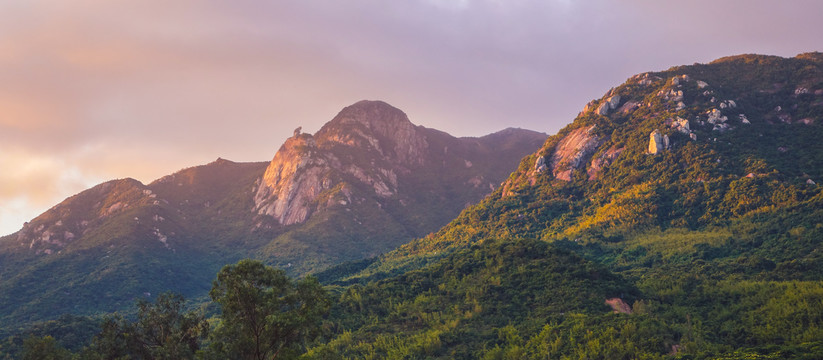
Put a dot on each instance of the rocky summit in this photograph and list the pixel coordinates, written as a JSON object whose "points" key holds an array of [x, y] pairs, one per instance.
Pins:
{"points": [[369, 143]]}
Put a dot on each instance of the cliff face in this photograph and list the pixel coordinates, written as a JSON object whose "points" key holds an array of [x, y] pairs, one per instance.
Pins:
{"points": [[368, 142], [368, 152]]}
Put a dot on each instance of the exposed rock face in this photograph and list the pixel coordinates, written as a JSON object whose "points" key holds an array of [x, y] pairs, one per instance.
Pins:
{"points": [[573, 152], [608, 105], [602, 161], [363, 155], [292, 180], [603, 109], [628, 107], [658, 142], [380, 127], [306, 165], [613, 101]]}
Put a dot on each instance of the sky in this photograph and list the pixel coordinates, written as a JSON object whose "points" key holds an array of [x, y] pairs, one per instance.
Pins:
{"points": [[94, 90]]}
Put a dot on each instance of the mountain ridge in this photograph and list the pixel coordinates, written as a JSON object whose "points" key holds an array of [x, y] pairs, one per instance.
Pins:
{"points": [[609, 143], [175, 232]]}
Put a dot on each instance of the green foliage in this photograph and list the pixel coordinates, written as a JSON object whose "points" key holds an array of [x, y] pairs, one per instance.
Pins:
{"points": [[45, 348], [162, 331], [459, 304], [264, 314]]}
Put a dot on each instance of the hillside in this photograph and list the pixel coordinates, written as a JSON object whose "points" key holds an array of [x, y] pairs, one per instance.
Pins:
{"points": [[357, 188], [697, 185]]}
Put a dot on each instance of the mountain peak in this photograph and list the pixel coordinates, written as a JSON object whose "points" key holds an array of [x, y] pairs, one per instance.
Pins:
{"points": [[371, 146], [375, 126], [371, 112]]}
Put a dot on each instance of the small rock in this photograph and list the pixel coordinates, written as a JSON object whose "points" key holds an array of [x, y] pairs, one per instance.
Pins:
{"points": [[680, 106], [588, 107], [801, 91], [716, 116], [810, 182], [693, 136], [681, 125], [701, 84], [743, 119], [675, 81]]}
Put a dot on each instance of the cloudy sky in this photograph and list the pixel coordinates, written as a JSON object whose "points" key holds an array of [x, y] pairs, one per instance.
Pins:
{"points": [[92, 90]]}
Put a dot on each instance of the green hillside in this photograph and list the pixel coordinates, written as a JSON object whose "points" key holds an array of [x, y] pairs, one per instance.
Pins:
{"points": [[721, 235]]}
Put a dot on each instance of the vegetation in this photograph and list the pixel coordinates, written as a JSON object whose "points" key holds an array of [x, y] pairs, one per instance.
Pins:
{"points": [[264, 314], [712, 249]]}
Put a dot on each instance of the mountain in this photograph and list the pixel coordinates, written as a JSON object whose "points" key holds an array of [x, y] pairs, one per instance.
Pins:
{"points": [[696, 186], [366, 182]]}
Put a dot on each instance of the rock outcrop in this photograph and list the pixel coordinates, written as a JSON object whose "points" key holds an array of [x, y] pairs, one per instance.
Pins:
{"points": [[364, 154], [658, 142], [573, 152], [381, 142], [603, 160], [608, 105]]}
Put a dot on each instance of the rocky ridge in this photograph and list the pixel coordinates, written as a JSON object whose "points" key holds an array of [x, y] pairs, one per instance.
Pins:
{"points": [[366, 153]]}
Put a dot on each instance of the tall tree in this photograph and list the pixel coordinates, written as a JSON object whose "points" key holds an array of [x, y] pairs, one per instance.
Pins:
{"points": [[265, 315]]}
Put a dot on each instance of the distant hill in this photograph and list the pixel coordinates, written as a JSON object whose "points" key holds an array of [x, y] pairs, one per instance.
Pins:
{"points": [[368, 181]]}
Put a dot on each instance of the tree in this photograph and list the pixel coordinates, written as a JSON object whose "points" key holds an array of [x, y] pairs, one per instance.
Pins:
{"points": [[162, 331], [265, 315], [44, 348]]}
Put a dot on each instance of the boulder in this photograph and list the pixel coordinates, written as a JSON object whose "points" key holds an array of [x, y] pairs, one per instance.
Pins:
{"points": [[628, 107], [681, 125], [715, 116], [603, 109], [613, 101], [676, 80], [658, 142], [540, 165]]}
